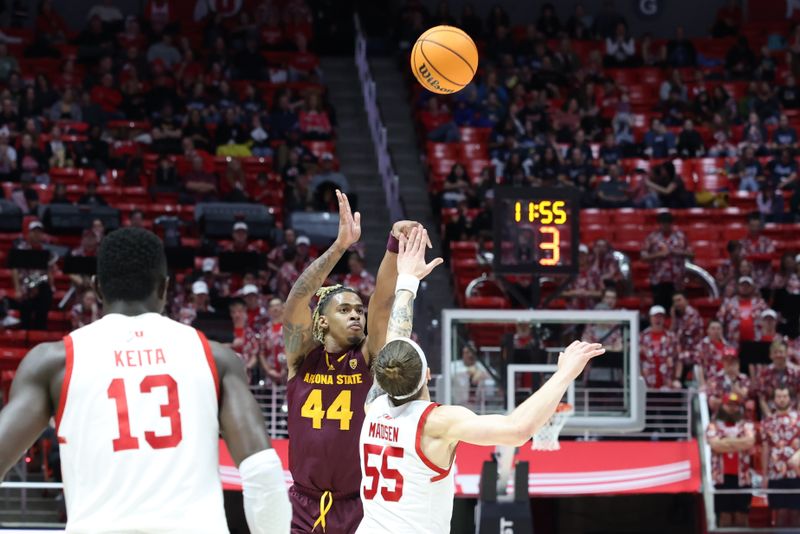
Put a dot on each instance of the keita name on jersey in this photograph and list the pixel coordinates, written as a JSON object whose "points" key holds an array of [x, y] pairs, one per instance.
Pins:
{"points": [[139, 357]]}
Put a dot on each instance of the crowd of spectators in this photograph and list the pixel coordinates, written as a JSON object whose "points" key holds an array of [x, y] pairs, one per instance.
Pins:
{"points": [[557, 86], [170, 108]]}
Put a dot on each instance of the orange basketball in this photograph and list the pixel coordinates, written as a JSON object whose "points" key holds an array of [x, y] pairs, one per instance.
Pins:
{"points": [[444, 59]]}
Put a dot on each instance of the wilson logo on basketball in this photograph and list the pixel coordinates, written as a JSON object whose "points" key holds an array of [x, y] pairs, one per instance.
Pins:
{"points": [[428, 77]]}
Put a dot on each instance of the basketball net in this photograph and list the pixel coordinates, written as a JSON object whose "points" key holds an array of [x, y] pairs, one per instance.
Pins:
{"points": [[546, 438]]}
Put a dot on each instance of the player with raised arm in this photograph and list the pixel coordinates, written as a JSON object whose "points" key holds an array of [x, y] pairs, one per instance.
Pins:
{"points": [[408, 443], [329, 358], [139, 402]]}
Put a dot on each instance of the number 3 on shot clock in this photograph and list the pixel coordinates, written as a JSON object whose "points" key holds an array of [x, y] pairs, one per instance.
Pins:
{"points": [[536, 230]]}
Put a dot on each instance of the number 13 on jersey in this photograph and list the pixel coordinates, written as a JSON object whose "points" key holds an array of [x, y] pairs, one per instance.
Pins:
{"points": [[339, 409]]}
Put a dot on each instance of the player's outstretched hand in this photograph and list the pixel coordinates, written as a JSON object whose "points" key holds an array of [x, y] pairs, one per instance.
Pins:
{"points": [[404, 228], [411, 256], [349, 222], [575, 357]]}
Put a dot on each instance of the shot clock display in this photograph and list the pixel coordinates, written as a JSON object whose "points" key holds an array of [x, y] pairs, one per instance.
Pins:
{"points": [[536, 230]]}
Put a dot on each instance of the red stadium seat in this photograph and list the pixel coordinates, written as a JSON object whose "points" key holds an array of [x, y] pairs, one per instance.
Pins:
{"points": [[475, 135], [474, 150], [731, 232], [629, 216], [591, 233], [441, 150], [595, 216], [463, 249]]}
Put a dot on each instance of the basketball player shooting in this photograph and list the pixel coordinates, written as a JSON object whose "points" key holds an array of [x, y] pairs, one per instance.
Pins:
{"points": [[139, 402], [408, 443], [329, 360]]}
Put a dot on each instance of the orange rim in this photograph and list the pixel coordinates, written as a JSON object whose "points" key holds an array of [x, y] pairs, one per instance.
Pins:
{"points": [[564, 407]]}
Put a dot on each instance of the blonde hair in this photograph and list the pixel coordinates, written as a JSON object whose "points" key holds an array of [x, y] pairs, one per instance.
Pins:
{"points": [[324, 295]]}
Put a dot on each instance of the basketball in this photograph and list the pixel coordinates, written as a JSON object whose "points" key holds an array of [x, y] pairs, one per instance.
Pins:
{"points": [[444, 59]]}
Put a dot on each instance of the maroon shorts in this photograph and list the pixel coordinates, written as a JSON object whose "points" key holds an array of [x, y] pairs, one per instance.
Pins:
{"points": [[343, 516]]}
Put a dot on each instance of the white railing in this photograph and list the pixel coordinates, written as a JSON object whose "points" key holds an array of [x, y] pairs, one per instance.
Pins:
{"points": [[391, 182]]}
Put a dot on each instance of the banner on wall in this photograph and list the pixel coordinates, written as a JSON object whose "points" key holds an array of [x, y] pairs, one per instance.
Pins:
{"points": [[579, 468]]}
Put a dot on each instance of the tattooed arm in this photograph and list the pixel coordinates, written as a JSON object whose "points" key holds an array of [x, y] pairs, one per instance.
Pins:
{"points": [[401, 319], [400, 324], [297, 325]]}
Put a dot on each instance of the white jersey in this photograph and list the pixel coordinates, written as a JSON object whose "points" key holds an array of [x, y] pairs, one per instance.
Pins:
{"points": [[402, 491], [139, 430]]}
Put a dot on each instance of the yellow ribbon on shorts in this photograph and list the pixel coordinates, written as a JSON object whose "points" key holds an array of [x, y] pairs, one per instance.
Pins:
{"points": [[325, 504]]}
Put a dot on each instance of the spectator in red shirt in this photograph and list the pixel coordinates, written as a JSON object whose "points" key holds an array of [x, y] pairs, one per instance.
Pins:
{"points": [[51, 28], [200, 185], [731, 440], [779, 374], [658, 351], [199, 302], [687, 325], [739, 315], [238, 311], [780, 435], [604, 264], [729, 380], [240, 241], [727, 272], [769, 325], [711, 350], [358, 278], [86, 311], [314, 121], [728, 20], [159, 14], [760, 250], [108, 97], [256, 314], [586, 289], [273, 353], [666, 250]]}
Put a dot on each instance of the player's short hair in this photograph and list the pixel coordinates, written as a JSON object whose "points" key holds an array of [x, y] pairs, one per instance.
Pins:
{"points": [[324, 295], [131, 264], [397, 369]]}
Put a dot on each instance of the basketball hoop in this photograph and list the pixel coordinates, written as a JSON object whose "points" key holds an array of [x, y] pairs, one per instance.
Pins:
{"points": [[546, 438]]}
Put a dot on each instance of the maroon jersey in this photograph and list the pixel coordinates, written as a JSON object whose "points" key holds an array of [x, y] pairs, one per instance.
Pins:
{"points": [[326, 410]]}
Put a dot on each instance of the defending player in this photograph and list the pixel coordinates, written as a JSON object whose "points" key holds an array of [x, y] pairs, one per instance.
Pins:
{"points": [[139, 403], [408, 443], [329, 377]]}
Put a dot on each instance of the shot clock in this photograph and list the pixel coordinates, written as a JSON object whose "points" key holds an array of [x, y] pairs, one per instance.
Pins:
{"points": [[536, 230]]}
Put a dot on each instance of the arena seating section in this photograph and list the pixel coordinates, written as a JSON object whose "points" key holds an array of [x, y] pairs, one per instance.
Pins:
{"points": [[708, 229], [126, 149]]}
